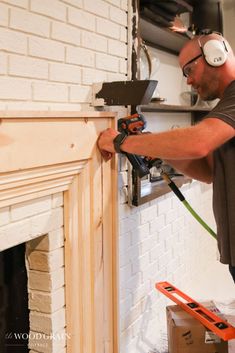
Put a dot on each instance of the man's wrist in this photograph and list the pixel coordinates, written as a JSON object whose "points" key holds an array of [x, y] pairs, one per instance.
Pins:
{"points": [[118, 141]]}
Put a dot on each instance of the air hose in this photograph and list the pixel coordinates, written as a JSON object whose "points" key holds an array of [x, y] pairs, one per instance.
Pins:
{"points": [[181, 197]]}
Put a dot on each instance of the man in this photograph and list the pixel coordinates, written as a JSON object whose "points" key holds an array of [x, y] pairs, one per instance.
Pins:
{"points": [[206, 151]]}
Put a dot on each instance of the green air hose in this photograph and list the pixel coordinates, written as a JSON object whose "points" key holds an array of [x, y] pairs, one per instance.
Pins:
{"points": [[181, 197]]}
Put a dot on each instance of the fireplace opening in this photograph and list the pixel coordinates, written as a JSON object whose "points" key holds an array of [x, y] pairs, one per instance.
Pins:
{"points": [[14, 312]]}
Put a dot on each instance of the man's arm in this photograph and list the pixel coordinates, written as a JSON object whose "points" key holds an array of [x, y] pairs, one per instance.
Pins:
{"points": [[194, 142], [187, 148], [199, 169]]}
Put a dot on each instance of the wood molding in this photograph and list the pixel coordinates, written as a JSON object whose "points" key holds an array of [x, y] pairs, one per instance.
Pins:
{"points": [[34, 164], [29, 184]]}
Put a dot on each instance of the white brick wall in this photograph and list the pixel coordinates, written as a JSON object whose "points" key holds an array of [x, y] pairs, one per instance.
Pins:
{"points": [[49, 46], [160, 241], [45, 266]]}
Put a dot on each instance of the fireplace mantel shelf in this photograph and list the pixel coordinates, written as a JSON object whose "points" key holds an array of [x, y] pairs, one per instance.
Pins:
{"points": [[53, 114]]}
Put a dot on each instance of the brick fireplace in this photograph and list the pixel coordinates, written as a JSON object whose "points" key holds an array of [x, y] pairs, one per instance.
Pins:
{"points": [[58, 197], [39, 223]]}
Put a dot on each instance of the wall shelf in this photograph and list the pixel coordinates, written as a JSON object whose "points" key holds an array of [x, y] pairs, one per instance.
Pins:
{"points": [[156, 107], [160, 37]]}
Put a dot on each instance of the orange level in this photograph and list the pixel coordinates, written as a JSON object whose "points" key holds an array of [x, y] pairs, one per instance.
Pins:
{"points": [[213, 322]]}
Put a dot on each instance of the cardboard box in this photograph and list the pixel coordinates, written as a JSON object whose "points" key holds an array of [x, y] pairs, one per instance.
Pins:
{"points": [[188, 335]]}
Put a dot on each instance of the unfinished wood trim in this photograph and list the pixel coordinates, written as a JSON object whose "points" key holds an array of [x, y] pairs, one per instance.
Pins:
{"points": [[54, 114], [30, 184], [49, 163]]}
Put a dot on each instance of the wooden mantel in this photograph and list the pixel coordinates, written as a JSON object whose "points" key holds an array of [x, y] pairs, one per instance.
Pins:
{"points": [[42, 153]]}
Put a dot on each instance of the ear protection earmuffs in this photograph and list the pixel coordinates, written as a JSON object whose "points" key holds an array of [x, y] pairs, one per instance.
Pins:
{"points": [[214, 52]]}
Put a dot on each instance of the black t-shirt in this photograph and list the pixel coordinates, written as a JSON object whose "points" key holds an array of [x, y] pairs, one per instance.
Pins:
{"points": [[224, 179]]}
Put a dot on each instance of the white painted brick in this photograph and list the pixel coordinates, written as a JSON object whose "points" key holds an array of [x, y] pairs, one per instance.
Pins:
{"points": [[12, 88], [178, 224], [107, 62], [47, 302], [101, 8], [122, 179], [123, 199], [14, 234], [171, 215], [75, 3], [147, 244], [52, 8], [13, 41], [4, 216], [124, 5], [46, 222], [53, 240], [124, 259], [116, 77], [132, 283], [164, 260], [80, 94], [107, 28], [114, 2], [115, 47], [123, 163], [50, 92], [90, 76], [57, 199], [150, 272], [81, 19], [157, 224], [141, 292], [123, 34], [3, 15], [65, 33], [41, 322], [164, 205], [125, 273], [134, 252], [125, 339], [27, 106], [44, 281], [133, 314], [165, 232], [148, 214], [123, 66], [46, 261], [156, 251], [68, 107], [64, 73], [45, 48], [94, 41], [140, 233], [28, 67], [80, 56], [140, 264], [118, 15], [29, 208], [29, 22], [20, 3], [124, 243], [125, 305], [127, 224]]}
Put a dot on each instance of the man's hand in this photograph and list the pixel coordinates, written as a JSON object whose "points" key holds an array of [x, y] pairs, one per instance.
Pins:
{"points": [[105, 143]]}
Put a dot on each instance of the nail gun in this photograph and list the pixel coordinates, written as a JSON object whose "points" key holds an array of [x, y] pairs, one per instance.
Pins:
{"points": [[134, 125]]}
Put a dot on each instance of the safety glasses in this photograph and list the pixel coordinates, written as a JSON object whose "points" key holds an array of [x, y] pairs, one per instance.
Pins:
{"points": [[187, 68]]}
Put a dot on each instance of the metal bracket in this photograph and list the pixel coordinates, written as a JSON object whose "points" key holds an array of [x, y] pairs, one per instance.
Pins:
{"points": [[123, 92]]}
